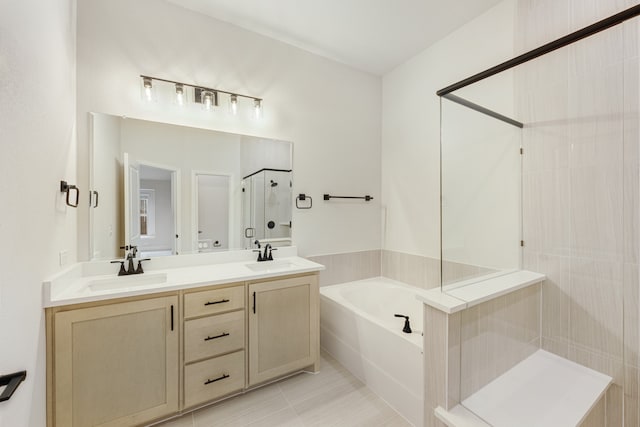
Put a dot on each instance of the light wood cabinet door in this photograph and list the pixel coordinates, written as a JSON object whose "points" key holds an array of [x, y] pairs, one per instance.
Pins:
{"points": [[116, 364], [283, 327]]}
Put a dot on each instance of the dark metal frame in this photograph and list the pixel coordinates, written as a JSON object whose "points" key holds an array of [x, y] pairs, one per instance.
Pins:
{"points": [[585, 32], [483, 110], [590, 30], [11, 381], [268, 169]]}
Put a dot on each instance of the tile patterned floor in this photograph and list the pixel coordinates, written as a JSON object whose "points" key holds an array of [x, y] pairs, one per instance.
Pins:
{"points": [[333, 397]]}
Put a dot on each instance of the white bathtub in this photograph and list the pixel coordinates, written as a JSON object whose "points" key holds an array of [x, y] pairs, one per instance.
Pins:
{"points": [[358, 328]]}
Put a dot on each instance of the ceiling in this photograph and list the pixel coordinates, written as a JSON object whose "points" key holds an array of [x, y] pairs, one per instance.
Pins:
{"points": [[371, 35]]}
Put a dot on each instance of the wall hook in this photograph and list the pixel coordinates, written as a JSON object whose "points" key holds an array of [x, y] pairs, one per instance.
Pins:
{"points": [[67, 188]]}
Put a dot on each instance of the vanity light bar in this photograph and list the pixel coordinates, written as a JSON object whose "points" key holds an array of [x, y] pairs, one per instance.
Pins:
{"points": [[202, 95]]}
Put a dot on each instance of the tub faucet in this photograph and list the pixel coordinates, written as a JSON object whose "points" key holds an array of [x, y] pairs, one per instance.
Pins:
{"points": [[407, 326]]}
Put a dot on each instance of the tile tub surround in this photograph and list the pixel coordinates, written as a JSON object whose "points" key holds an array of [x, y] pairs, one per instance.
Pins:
{"points": [[415, 270], [347, 267], [330, 398], [423, 271]]}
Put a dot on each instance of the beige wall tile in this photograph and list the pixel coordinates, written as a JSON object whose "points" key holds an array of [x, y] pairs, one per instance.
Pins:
{"points": [[556, 297], [453, 366], [561, 348], [347, 267], [435, 382], [454, 271], [596, 417], [631, 315], [415, 270], [614, 412], [497, 335], [598, 362], [596, 314], [631, 399]]}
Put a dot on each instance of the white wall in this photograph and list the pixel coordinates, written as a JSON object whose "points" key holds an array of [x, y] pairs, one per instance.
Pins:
{"points": [[329, 111], [37, 129], [411, 126]]}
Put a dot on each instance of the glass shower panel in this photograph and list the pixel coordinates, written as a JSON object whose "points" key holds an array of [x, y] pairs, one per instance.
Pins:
{"points": [[481, 183], [572, 198], [277, 204]]}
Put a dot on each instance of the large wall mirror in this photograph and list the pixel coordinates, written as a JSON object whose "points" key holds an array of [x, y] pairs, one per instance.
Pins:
{"points": [[172, 190]]}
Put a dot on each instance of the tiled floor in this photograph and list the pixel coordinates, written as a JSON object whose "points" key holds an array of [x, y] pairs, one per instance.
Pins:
{"points": [[333, 397]]}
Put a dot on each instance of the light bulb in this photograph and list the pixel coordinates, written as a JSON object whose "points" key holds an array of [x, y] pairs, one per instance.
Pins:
{"points": [[233, 104], [207, 99], [179, 94], [257, 108], [147, 89]]}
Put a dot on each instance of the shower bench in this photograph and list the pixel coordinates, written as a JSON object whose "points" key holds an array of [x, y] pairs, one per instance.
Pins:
{"points": [[542, 390]]}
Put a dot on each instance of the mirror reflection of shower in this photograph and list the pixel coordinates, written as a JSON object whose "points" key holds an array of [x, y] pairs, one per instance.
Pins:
{"points": [[266, 206]]}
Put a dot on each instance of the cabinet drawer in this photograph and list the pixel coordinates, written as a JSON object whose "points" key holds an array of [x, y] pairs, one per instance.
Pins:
{"points": [[213, 301], [213, 378], [213, 335]]}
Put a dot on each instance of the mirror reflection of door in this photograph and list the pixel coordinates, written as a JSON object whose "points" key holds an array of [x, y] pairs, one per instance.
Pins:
{"points": [[131, 199], [150, 208], [212, 200]]}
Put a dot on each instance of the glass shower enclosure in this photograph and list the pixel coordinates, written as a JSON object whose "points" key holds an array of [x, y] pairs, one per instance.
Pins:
{"points": [[266, 208], [540, 171]]}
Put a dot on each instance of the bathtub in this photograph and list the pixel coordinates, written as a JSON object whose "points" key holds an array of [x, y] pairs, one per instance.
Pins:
{"points": [[358, 328]]}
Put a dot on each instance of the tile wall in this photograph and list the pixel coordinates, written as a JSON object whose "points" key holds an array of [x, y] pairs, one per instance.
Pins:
{"points": [[581, 188], [424, 272], [415, 270], [347, 267]]}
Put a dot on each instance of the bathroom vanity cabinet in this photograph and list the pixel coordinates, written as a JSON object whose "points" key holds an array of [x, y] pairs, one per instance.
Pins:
{"points": [[283, 327], [115, 364], [136, 360]]}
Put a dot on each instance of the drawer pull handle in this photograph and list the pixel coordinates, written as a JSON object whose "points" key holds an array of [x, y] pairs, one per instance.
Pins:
{"points": [[217, 379], [216, 302], [224, 334]]}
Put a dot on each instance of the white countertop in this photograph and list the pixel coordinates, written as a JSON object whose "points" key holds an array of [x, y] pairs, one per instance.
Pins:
{"points": [[462, 295], [74, 285]]}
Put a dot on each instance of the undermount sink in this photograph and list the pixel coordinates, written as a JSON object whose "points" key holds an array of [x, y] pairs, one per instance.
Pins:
{"points": [[268, 266], [127, 281]]}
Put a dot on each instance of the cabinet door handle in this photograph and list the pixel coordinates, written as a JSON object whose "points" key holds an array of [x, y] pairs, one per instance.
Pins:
{"points": [[172, 317], [222, 301], [224, 334], [254, 302], [217, 379]]}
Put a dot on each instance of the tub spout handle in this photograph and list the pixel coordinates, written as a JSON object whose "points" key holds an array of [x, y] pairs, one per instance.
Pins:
{"points": [[407, 325]]}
